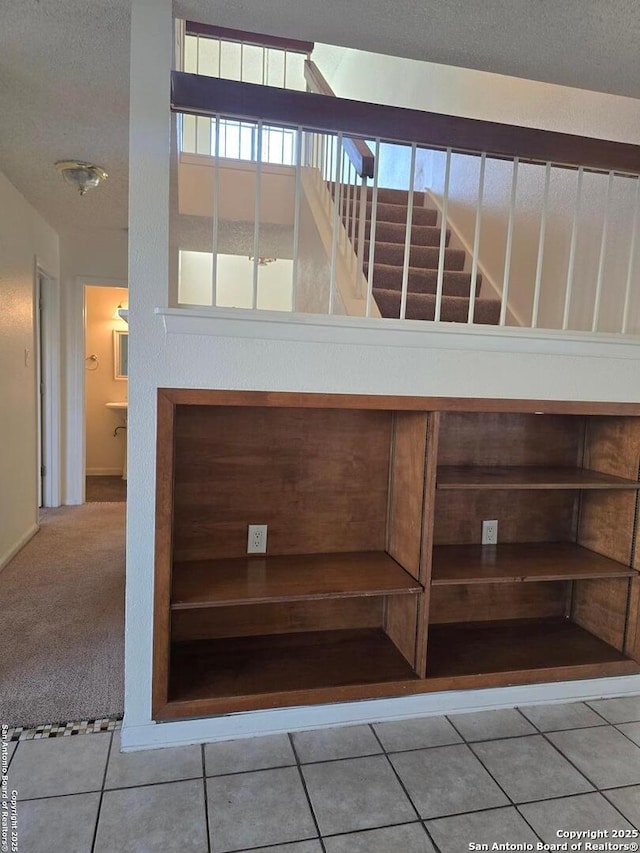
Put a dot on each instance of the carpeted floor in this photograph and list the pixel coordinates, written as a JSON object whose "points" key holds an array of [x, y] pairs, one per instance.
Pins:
{"points": [[105, 489], [63, 619]]}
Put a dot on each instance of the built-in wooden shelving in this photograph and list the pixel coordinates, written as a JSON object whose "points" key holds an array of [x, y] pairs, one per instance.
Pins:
{"points": [[527, 477], [516, 646], [515, 561], [375, 582], [279, 663], [292, 577]]}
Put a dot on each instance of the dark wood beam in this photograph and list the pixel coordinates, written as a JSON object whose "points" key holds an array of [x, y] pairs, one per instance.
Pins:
{"points": [[208, 95]]}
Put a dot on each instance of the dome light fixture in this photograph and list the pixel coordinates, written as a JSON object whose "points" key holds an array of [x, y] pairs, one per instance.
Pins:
{"points": [[83, 176]]}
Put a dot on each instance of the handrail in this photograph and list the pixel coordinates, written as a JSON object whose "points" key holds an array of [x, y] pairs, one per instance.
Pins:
{"points": [[195, 28], [356, 149], [199, 95]]}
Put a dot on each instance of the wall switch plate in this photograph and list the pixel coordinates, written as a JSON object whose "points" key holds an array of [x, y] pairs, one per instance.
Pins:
{"points": [[257, 539], [490, 532]]}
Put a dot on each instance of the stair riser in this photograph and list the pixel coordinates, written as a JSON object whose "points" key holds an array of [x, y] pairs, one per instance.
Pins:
{"points": [[397, 213], [425, 257], [453, 309], [420, 281]]}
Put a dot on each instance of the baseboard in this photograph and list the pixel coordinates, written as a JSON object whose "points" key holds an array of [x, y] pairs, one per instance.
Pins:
{"points": [[104, 472], [10, 554]]}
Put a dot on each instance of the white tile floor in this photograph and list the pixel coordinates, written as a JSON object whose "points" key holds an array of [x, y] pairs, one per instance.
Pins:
{"points": [[419, 786]]}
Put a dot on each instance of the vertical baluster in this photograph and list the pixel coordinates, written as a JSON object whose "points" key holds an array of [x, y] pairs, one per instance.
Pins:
{"points": [[572, 251], [540, 260], [345, 208], [216, 213], [337, 202], [256, 230], [354, 211], [264, 66], [284, 76], [219, 58], [603, 254], [241, 61], [632, 254], [372, 231], [362, 217], [476, 240], [443, 237], [407, 235], [296, 219], [507, 255]]}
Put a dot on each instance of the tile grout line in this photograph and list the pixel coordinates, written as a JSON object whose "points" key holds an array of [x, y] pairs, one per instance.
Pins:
{"points": [[598, 790], [104, 782], [406, 792], [306, 791], [206, 802], [514, 805]]}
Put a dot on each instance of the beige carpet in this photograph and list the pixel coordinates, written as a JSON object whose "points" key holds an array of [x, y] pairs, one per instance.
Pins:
{"points": [[63, 619]]}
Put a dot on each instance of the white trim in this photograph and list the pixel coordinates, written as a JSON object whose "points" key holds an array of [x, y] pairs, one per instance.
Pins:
{"points": [[285, 326], [10, 554], [76, 432], [104, 472], [280, 720], [50, 336]]}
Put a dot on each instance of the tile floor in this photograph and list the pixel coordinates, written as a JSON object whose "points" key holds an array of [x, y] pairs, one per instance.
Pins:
{"points": [[417, 786]]}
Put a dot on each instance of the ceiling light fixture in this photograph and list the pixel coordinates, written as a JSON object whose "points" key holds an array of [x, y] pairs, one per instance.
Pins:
{"points": [[83, 176]]}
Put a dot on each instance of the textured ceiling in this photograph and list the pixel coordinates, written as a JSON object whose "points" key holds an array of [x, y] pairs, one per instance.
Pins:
{"points": [[64, 68]]}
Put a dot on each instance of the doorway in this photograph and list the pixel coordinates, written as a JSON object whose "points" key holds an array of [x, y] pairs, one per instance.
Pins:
{"points": [[48, 365], [105, 393]]}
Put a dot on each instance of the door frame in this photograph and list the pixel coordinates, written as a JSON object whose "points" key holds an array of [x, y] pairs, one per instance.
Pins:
{"points": [[47, 346], [76, 419]]}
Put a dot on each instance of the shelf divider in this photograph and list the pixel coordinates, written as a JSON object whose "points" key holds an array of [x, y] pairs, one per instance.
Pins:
{"points": [[527, 477], [292, 577], [512, 562]]}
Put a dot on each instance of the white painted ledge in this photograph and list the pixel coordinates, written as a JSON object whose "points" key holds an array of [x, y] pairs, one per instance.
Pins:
{"points": [[152, 735], [284, 326]]}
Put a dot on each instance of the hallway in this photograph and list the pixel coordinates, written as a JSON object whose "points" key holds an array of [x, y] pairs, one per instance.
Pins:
{"points": [[63, 619]]}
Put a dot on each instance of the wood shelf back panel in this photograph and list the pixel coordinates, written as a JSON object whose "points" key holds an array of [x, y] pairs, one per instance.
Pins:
{"points": [[600, 606], [318, 478], [463, 477], [256, 580], [523, 516], [491, 602], [613, 446], [245, 666], [499, 438], [503, 647], [406, 500], [527, 562], [294, 617]]}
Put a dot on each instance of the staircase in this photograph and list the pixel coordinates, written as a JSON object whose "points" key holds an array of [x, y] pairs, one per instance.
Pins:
{"points": [[390, 236]]}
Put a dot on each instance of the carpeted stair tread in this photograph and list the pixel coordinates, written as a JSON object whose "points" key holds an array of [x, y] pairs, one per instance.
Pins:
{"points": [[397, 213], [389, 196], [454, 309], [389, 277], [395, 232], [420, 256]]}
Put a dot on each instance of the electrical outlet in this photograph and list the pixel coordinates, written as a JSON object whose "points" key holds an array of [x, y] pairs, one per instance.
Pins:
{"points": [[257, 540], [490, 532]]}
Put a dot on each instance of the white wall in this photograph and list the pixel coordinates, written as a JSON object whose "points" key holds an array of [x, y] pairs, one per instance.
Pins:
{"points": [[255, 354], [494, 97], [24, 238]]}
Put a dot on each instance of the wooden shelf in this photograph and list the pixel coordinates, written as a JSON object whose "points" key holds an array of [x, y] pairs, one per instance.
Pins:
{"points": [[259, 580], [527, 477], [248, 666], [477, 648], [529, 561]]}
